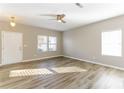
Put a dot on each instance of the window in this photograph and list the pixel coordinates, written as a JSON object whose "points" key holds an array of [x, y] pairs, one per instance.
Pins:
{"points": [[47, 43], [112, 43], [52, 43], [42, 43]]}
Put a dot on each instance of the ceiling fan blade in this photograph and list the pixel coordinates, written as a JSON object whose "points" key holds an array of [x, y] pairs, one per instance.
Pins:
{"points": [[58, 17], [51, 19], [53, 15], [63, 21], [63, 15]]}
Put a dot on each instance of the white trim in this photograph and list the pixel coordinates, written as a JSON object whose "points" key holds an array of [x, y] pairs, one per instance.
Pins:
{"points": [[34, 59], [2, 47], [41, 58], [94, 62]]}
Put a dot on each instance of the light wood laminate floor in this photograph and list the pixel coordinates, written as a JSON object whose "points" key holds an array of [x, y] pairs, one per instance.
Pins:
{"points": [[60, 73]]}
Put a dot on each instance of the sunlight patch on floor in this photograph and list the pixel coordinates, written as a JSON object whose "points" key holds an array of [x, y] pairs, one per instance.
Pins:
{"points": [[68, 69], [29, 72], [45, 71]]}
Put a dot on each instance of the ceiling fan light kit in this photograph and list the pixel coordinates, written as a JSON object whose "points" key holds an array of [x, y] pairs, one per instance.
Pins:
{"points": [[60, 18], [59, 21], [12, 21]]}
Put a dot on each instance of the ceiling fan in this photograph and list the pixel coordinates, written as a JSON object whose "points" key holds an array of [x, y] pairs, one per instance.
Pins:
{"points": [[58, 17]]}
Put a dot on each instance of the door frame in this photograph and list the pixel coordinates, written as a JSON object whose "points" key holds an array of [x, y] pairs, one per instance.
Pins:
{"points": [[2, 46]]}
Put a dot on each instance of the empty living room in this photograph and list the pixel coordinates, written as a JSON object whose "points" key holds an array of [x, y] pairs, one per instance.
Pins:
{"points": [[61, 46]]}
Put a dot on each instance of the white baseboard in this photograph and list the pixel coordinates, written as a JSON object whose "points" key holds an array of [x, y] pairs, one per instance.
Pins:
{"points": [[98, 63], [34, 59], [41, 58], [111, 66]]}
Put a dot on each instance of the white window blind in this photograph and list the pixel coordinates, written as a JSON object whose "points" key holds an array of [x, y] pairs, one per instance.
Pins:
{"points": [[42, 43], [112, 43], [52, 43]]}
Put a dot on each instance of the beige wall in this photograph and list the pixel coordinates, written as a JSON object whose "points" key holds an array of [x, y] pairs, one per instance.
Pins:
{"points": [[85, 42], [30, 40]]}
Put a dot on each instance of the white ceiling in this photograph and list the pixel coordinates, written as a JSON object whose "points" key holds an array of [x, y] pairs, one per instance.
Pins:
{"points": [[30, 14]]}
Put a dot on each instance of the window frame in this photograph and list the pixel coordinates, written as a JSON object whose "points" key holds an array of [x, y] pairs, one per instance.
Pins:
{"points": [[52, 43], [42, 43], [118, 44], [47, 43]]}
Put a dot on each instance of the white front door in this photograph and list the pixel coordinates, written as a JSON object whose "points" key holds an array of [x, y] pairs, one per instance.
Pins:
{"points": [[12, 47]]}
